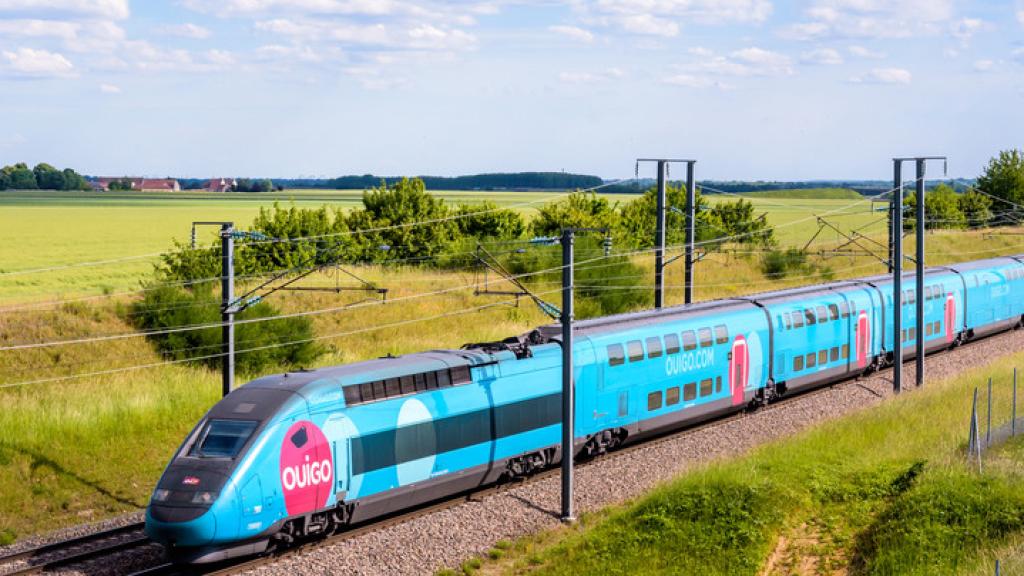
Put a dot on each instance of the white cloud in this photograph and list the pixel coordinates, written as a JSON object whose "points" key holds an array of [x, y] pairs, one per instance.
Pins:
{"points": [[573, 32], [110, 89], [187, 30], [824, 56], [691, 81], [663, 17], [1020, 17], [36, 28], [984, 65], [1018, 55], [591, 77], [423, 36], [862, 52], [871, 19], [965, 29], [648, 24], [112, 9], [32, 63], [884, 76]]}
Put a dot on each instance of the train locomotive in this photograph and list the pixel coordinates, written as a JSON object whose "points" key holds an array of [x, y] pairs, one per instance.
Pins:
{"points": [[301, 454]]}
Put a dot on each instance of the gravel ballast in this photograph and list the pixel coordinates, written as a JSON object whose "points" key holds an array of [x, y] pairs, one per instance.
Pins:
{"points": [[446, 538]]}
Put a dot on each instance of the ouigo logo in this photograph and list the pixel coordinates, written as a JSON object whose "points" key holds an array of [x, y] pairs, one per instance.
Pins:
{"points": [[307, 469]]}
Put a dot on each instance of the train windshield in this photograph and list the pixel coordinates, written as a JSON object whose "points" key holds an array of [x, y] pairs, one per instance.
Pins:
{"points": [[222, 438]]}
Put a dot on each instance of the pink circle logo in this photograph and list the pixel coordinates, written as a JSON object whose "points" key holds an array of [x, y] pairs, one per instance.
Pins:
{"points": [[307, 470]]}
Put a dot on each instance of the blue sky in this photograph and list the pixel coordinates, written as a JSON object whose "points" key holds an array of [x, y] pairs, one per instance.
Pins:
{"points": [[754, 89]]}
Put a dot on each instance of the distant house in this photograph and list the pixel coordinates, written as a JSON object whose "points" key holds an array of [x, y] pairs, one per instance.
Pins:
{"points": [[220, 185], [140, 184]]}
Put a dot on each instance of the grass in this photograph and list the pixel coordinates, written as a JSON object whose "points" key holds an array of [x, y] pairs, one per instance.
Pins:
{"points": [[808, 194], [880, 492]]}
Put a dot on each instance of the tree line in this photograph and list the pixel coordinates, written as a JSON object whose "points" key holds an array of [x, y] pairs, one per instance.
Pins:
{"points": [[43, 177]]}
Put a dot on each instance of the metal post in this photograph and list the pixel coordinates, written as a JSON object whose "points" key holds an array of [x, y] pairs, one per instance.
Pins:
{"points": [[897, 277], [193, 236], [691, 222], [988, 415], [567, 375], [971, 438], [892, 225], [975, 431], [227, 286], [659, 238], [919, 252], [1013, 422]]}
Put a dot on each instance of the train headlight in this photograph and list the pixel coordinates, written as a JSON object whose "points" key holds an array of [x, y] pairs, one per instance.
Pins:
{"points": [[204, 497], [161, 495]]}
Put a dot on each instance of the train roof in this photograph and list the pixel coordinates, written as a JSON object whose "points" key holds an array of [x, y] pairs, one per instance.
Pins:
{"points": [[645, 317]]}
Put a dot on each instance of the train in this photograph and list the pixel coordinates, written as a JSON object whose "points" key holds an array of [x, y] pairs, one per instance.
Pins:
{"points": [[307, 453]]}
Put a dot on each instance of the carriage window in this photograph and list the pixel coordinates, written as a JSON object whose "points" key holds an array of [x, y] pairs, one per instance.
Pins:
{"points": [[833, 354], [654, 400], [379, 392], [812, 360], [366, 392], [421, 382], [444, 379], [913, 333], [844, 310], [938, 327], [822, 314], [903, 335], [689, 341], [672, 396], [809, 316], [846, 351], [789, 322], [352, 395], [913, 296], [690, 392], [823, 357], [671, 343], [616, 355], [636, 350], [704, 334], [431, 378], [460, 375], [798, 363], [928, 329], [721, 334], [392, 387], [798, 320], [833, 312], [408, 384], [718, 384], [706, 387], [653, 347]]}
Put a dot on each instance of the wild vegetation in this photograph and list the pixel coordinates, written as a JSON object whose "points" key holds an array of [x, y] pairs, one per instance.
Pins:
{"points": [[43, 177]]}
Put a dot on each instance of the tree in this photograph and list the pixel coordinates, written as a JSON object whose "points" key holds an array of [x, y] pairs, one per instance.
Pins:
{"points": [[737, 223], [20, 177], [384, 228], [487, 220], [48, 177], [122, 184], [1004, 179], [578, 210], [5, 180], [941, 209], [74, 181], [976, 208]]}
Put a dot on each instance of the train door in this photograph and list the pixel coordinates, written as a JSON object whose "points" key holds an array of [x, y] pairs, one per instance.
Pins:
{"points": [[339, 431], [739, 370], [863, 339], [950, 317]]}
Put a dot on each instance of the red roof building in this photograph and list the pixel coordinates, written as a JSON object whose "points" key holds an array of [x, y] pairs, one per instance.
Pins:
{"points": [[142, 184], [220, 185]]}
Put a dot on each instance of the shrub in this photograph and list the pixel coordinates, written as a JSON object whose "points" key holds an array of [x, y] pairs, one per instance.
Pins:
{"points": [[780, 263]]}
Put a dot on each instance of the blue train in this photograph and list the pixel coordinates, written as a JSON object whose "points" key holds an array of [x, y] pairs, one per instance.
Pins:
{"points": [[307, 453]]}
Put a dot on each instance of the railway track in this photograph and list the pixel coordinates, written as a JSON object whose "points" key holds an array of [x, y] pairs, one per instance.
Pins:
{"points": [[49, 557], [110, 542]]}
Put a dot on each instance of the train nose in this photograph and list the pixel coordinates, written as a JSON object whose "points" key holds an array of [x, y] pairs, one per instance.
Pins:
{"points": [[180, 525]]}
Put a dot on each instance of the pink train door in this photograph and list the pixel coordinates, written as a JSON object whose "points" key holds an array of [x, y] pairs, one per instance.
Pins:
{"points": [[950, 317], [739, 370], [863, 339]]}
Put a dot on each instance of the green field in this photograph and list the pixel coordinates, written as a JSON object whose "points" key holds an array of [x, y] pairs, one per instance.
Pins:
{"points": [[41, 230], [808, 194]]}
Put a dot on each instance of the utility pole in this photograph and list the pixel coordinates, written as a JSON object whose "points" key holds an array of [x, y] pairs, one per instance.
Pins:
{"points": [[896, 265], [227, 311], [919, 229], [660, 233], [568, 239]]}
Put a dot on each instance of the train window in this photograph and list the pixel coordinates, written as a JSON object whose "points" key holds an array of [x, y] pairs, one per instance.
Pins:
{"points": [[706, 387], [392, 387], [366, 392], [903, 335], [833, 354], [672, 396], [616, 355], [636, 350], [938, 327], [690, 392], [846, 351], [408, 384], [444, 379], [654, 400], [352, 395], [718, 384], [798, 320], [671, 343], [809, 314], [928, 329], [844, 309], [222, 438], [913, 333], [913, 296], [798, 363], [689, 341], [721, 334], [460, 375], [379, 392], [822, 314], [823, 357], [833, 312], [787, 320], [812, 360], [653, 347], [431, 378], [421, 382], [704, 335]]}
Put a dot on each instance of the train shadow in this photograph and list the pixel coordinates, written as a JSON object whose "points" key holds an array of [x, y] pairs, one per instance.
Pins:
{"points": [[39, 460]]}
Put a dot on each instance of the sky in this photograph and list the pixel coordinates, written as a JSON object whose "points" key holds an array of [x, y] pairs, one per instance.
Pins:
{"points": [[751, 89]]}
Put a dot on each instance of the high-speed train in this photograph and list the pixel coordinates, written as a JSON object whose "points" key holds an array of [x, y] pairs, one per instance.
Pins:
{"points": [[302, 454]]}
